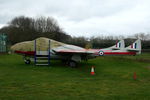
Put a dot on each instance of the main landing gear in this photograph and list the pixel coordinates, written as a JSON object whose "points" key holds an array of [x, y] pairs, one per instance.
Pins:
{"points": [[71, 63]]}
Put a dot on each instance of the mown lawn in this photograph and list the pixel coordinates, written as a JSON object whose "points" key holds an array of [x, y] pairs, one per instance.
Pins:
{"points": [[113, 79]]}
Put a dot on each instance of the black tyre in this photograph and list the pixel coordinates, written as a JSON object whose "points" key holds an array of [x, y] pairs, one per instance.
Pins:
{"points": [[73, 64], [27, 61]]}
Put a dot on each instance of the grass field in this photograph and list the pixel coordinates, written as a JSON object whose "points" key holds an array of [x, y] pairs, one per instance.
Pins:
{"points": [[113, 79]]}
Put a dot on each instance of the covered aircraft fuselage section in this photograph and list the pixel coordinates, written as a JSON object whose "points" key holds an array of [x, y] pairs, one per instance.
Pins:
{"points": [[58, 50]]}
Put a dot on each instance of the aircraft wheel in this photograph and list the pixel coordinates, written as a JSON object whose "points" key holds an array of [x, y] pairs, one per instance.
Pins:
{"points": [[73, 64], [27, 61]]}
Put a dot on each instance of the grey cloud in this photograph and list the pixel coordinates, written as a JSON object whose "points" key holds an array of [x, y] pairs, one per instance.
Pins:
{"points": [[84, 16]]}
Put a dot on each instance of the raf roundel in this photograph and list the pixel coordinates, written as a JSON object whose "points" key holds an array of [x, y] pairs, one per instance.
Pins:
{"points": [[101, 53]]}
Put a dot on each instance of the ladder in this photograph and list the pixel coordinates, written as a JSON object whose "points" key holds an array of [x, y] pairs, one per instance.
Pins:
{"points": [[41, 57]]}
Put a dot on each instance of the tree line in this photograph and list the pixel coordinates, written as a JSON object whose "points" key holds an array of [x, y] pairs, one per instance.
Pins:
{"points": [[24, 28]]}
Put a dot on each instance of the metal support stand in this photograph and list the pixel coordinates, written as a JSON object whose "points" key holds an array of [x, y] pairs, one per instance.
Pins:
{"points": [[42, 58]]}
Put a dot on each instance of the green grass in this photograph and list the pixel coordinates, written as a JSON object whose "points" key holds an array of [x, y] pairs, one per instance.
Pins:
{"points": [[113, 79]]}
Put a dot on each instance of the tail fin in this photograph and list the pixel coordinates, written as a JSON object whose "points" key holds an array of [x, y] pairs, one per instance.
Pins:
{"points": [[119, 45], [136, 46]]}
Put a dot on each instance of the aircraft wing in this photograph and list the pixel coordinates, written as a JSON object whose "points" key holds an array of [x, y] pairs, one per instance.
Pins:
{"points": [[73, 51]]}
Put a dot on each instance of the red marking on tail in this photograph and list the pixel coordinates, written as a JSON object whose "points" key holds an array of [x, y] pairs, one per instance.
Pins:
{"points": [[132, 46]]}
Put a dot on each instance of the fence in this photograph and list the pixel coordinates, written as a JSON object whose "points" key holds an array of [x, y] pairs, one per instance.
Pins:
{"points": [[3, 43]]}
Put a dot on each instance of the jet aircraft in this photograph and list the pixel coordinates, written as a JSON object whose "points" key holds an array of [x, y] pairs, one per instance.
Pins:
{"points": [[69, 54]]}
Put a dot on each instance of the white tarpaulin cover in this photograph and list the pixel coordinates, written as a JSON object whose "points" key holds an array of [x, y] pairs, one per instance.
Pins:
{"points": [[42, 44]]}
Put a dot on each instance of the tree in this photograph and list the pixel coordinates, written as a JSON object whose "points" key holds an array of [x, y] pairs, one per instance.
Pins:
{"points": [[142, 36], [25, 28], [49, 24]]}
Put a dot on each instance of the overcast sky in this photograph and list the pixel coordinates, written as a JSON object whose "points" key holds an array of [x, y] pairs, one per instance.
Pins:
{"points": [[84, 17]]}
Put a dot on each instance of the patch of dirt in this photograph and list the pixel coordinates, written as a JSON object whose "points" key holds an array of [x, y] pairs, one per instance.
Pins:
{"points": [[148, 67], [143, 60]]}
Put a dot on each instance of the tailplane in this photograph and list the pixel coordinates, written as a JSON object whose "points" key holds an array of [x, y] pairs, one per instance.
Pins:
{"points": [[118, 45], [136, 46]]}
